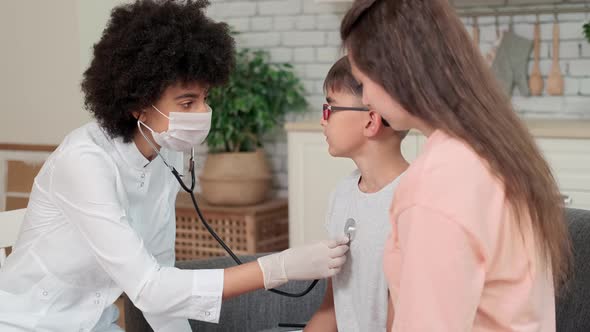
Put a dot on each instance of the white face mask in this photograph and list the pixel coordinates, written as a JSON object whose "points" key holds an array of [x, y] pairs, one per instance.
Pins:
{"points": [[185, 130]]}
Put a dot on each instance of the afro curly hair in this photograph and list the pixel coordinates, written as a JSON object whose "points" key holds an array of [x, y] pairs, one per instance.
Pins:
{"points": [[146, 47]]}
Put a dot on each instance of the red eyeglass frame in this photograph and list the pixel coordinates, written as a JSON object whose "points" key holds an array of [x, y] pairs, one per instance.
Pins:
{"points": [[328, 109]]}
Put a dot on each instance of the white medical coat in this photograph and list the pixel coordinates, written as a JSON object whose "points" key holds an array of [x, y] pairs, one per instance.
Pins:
{"points": [[101, 221]]}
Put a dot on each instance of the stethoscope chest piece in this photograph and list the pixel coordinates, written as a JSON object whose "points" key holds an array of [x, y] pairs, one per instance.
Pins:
{"points": [[350, 228]]}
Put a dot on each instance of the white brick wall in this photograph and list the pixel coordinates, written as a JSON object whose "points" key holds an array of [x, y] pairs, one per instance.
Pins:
{"points": [[281, 54], [303, 38], [259, 39], [580, 67], [239, 23], [306, 33], [304, 55], [261, 23], [328, 54], [305, 22], [221, 9], [284, 23], [284, 7]]}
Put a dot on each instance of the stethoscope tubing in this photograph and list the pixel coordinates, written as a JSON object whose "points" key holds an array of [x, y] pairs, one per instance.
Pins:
{"points": [[190, 191]]}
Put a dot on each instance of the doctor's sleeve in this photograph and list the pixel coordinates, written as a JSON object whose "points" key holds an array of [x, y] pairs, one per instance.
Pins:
{"points": [[84, 185], [165, 256]]}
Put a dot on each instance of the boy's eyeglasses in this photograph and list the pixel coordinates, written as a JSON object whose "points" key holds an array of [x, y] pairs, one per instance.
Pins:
{"points": [[329, 109]]}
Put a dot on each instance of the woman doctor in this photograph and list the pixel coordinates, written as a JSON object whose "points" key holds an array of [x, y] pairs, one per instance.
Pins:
{"points": [[101, 221]]}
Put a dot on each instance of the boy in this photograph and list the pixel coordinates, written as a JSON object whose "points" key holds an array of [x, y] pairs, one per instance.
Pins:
{"points": [[357, 298]]}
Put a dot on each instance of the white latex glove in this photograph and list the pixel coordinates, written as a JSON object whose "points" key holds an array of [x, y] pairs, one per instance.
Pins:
{"points": [[314, 261]]}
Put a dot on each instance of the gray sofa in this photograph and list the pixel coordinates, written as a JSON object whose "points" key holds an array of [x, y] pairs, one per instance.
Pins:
{"points": [[263, 311]]}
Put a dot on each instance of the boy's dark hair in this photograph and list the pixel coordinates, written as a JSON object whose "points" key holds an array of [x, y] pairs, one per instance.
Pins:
{"points": [[339, 78], [146, 47]]}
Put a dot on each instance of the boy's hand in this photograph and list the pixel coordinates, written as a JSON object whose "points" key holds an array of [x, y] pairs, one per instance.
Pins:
{"points": [[315, 261]]}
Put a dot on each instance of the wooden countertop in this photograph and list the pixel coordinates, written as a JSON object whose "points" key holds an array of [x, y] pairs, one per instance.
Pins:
{"points": [[546, 128]]}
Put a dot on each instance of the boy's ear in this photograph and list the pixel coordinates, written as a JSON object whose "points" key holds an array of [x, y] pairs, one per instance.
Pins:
{"points": [[374, 124]]}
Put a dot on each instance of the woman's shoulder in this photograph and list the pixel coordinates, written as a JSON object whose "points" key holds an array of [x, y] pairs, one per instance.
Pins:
{"points": [[449, 171], [447, 158]]}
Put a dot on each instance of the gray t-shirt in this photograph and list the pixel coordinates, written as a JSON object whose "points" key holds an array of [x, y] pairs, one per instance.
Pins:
{"points": [[360, 289]]}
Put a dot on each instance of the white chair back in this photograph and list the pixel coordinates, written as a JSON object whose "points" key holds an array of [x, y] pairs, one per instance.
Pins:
{"points": [[10, 223]]}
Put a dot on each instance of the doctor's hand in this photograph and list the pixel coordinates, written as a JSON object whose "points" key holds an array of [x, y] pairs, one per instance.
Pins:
{"points": [[314, 261]]}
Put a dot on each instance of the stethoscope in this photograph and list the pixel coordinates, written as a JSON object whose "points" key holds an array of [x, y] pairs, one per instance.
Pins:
{"points": [[349, 228], [190, 191]]}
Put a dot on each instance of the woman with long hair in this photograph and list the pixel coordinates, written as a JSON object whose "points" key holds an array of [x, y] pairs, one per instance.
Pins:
{"points": [[478, 240]]}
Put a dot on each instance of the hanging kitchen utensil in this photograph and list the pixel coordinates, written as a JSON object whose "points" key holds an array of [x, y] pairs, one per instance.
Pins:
{"points": [[491, 54], [555, 79], [475, 32], [535, 79], [511, 63]]}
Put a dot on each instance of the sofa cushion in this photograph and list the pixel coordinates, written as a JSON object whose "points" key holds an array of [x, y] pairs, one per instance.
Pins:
{"points": [[573, 304]]}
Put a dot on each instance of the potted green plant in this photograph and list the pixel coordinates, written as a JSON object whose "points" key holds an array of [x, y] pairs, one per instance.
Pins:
{"points": [[587, 31], [254, 102]]}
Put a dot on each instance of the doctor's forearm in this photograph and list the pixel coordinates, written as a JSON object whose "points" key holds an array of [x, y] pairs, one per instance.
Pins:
{"points": [[241, 279]]}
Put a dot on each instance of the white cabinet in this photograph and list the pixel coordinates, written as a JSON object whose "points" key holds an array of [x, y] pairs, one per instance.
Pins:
{"points": [[570, 161], [313, 173]]}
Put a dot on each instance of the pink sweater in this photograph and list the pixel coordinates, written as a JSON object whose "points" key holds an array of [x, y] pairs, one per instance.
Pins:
{"points": [[456, 259]]}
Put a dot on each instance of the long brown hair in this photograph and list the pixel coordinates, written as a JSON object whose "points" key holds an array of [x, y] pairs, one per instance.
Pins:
{"points": [[421, 54]]}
